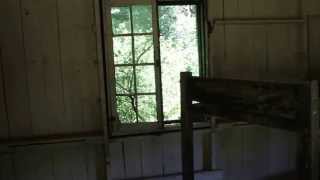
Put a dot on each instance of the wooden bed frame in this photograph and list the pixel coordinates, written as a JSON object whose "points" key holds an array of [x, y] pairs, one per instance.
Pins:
{"points": [[289, 106]]}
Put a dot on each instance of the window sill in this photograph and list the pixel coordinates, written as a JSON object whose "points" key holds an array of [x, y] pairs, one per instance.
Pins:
{"points": [[154, 129]]}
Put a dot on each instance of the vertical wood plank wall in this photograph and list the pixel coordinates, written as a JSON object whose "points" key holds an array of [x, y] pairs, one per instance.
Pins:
{"points": [[49, 162], [155, 155], [49, 68], [15, 73], [49, 85], [261, 51], [257, 51]]}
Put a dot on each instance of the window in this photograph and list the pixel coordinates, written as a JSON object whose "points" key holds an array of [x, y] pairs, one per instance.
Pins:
{"points": [[151, 44], [133, 53], [178, 52]]}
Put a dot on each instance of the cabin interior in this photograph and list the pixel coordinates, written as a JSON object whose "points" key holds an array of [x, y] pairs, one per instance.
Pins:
{"points": [[91, 89]]}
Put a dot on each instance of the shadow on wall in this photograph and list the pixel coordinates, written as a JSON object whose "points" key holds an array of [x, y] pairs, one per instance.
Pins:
{"points": [[284, 176]]}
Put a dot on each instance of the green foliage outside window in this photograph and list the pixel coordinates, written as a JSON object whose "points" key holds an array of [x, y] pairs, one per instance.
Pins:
{"points": [[133, 48]]}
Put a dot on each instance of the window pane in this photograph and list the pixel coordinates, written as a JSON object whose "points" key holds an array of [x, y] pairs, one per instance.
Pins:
{"points": [[147, 108], [124, 80], [145, 79], [125, 109], [142, 19], [143, 49], [122, 50], [179, 52], [121, 23]]}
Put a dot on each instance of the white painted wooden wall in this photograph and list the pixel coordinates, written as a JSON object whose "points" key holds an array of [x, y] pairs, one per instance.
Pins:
{"points": [[243, 153], [248, 152], [49, 68], [50, 85], [153, 155], [53, 162]]}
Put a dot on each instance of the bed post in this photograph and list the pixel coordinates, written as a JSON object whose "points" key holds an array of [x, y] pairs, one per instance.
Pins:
{"points": [[186, 127]]}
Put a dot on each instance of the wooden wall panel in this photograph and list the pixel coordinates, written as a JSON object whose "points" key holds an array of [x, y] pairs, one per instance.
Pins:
{"points": [[82, 161], [216, 159], [293, 144], [238, 55], [262, 8], [152, 156], [314, 45], [43, 64], [311, 6], [248, 152], [96, 166], [286, 59], [147, 156], [215, 9], [53, 162], [217, 52], [244, 151], [4, 123], [60, 59], [6, 167], [77, 158], [79, 65], [257, 52], [172, 162], [231, 8], [50, 68], [254, 8], [78, 161], [282, 152], [198, 152], [117, 162], [278, 9], [254, 152], [33, 163], [253, 51], [14, 66], [63, 165], [279, 52], [278, 152], [133, 157], [246, 8], [241, 55], [231, 144]]}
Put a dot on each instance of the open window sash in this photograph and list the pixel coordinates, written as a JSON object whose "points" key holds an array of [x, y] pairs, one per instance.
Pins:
{"points": [[113, 117]]}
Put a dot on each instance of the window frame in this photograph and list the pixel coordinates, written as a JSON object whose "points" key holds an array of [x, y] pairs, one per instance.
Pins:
{"points": [[115, 127], [202, 38], [133, 35]]}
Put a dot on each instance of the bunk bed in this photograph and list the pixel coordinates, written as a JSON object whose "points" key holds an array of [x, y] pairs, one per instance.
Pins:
{"points": [[291, 106]]}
